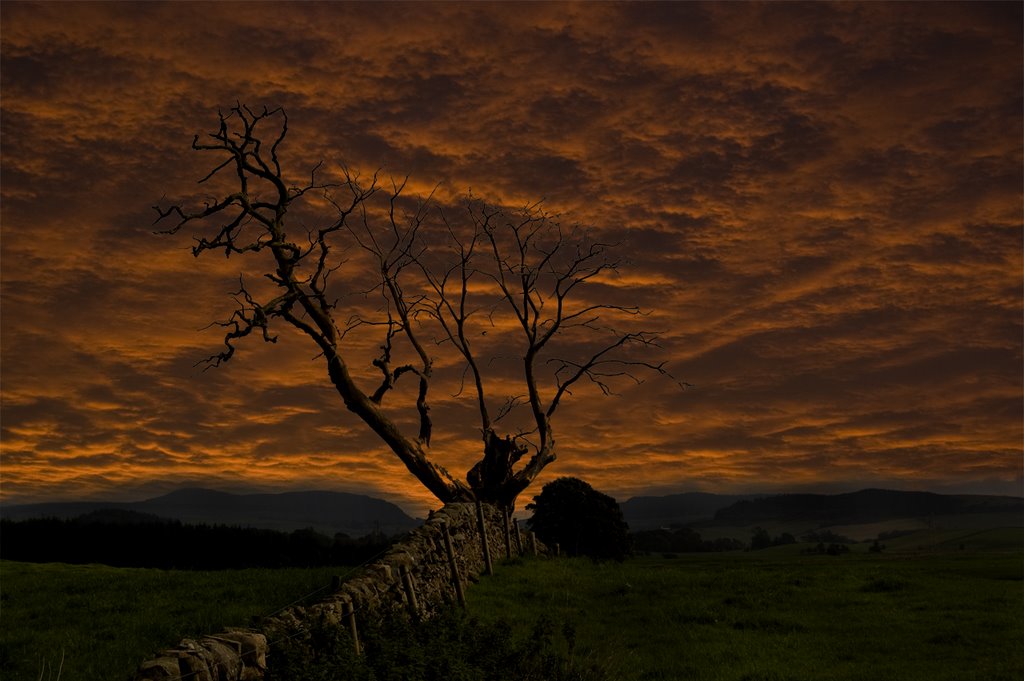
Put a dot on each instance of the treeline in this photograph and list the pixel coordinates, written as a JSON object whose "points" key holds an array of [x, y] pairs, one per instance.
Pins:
{"points": [[762, 540], [681, 540], [688, 540], [148, 541]]}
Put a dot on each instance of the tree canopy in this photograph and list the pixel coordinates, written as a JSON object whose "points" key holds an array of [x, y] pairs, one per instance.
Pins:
{"points": [[581, 520]]}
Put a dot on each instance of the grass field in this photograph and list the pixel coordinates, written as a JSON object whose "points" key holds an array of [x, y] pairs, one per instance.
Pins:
{"points": [[778, 615], [773, 615], [104, 621]]}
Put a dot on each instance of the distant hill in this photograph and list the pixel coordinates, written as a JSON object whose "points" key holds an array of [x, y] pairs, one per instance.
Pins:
{"points": [[119, 516], [862, 514], [328, 512], [865, 506], [648, 513]]}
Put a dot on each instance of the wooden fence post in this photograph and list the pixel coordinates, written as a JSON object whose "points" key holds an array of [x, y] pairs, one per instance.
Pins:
{"points": [[508, 533], [558, 550], [483, 537], [533, 542], [519, 537], [349, 613], [456, 580], [410, 591]]}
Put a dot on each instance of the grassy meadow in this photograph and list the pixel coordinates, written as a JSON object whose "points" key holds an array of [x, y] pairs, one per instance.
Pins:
{"points": [[98, 622], [952, 611], [779, 614]]}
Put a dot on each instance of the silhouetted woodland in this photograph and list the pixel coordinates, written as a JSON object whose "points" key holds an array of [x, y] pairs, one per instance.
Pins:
{"points": [[681, 540], [128, 539], [762, 540]]}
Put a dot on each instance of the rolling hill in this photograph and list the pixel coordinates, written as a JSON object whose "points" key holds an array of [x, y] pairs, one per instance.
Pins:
{"points": [[860, 515], [865, 506], [327, 512], [673, 510]]}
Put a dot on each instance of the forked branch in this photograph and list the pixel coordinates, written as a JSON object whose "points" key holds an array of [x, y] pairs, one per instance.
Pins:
{"points": [[428, 292]]}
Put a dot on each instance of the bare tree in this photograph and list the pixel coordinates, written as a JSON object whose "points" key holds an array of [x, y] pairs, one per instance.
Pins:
{"points": [[441, 283]]}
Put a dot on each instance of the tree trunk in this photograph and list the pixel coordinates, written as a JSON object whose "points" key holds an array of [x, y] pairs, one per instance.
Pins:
{"points": [[492, 479], [410, 452]]}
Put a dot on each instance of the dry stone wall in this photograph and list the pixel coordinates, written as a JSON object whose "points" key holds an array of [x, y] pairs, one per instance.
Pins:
{"points": [[236, 654], [413, 579]]}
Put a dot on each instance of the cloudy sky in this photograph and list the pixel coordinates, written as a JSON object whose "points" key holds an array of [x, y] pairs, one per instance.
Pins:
{"points": [[820, 204]]}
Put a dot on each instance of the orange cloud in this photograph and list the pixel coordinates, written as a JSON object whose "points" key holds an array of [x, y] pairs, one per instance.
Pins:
{"points": [[820, 206]]}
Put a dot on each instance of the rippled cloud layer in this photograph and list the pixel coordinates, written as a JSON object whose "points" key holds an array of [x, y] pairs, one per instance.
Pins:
{"points": [[820, 203]]}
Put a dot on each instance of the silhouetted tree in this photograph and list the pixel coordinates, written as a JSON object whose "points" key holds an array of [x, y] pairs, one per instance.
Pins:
{"points": [[826, 536], [583, 521], [440, 283], [760, 539]]}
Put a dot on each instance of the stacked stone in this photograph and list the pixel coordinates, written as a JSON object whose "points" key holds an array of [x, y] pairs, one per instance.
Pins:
{"points": [[235, 655], [413, 579]]}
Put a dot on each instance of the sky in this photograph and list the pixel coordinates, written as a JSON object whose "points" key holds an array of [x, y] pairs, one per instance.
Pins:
{"points": [[820, 205]]}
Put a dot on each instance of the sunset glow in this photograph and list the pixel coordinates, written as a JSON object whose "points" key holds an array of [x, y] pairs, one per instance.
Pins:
{"points": [[821, 206]]}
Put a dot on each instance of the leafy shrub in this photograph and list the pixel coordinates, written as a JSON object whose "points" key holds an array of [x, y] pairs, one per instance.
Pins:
{"points": [[449, 647], [321, 653]]}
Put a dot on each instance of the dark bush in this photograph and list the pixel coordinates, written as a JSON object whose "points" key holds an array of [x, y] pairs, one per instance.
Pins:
{"points": [[449, 647], [760, 539]]}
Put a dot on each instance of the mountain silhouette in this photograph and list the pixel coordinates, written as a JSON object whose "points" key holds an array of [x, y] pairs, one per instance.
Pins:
{"points": [[865, 506], [652, 512], [327, 512]]}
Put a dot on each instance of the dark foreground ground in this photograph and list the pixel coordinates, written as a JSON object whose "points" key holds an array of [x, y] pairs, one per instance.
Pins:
{"points": [[778, 614]]}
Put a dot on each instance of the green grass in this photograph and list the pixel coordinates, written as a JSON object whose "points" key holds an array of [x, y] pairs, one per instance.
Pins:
{"points": [[778, 615], [990, 539], [104, 621], [767, 615]]}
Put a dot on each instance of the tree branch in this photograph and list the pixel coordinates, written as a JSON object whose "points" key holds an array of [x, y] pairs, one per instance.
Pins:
{"points": [[521, 261]]}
